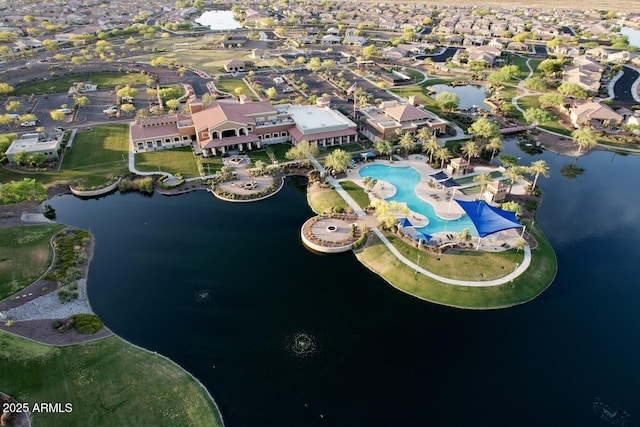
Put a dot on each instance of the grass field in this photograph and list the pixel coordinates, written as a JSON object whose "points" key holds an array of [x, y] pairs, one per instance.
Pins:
{"points": [[229, 86], [323, 200], [108, 382], [25, 254], [357, 193], [526, 287], [349, 148], [279, 150], [97, 155], [62, 84], [176, 160]]}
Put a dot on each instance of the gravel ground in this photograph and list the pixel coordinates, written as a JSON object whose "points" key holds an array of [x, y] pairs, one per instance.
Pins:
{"points": [[48, 306]]}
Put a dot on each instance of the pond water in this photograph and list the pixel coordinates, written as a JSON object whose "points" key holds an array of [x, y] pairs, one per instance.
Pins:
{"points": [[633, 34], [218, 20], [470, 95], [282, 336]]}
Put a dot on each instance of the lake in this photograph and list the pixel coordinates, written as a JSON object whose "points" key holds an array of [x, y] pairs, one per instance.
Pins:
{"points": [[218, 20], [470, 95], [633, 34], [285, 337]]}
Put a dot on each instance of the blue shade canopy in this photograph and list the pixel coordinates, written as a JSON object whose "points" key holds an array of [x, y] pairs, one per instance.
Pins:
{"points": [[440, 176], [420, 235], [404, 222], [368, 154], [487, 219], [450, 183]]}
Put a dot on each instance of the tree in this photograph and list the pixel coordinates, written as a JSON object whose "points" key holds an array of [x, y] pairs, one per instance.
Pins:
{"points": [[408, 143], [584, 138], [483, 179], [470, 149], [13, 105], [57, 115], [21, 158], [19, 191], [512, 206], [430, 146], [537, 168], [369, 183], [537, 115], [551, 100], [443, 154], [484, 129], [260, 165], [5, 88], [550, 67], [338, 160], [37, 160], [383, 147], [503, 75], [447, 101], [6, 140], [303, 150], [369, 51], [238, 91], [387, 213], [127, 108], [495, 144], [535, 83], [127, 91], [173, 104], [271, 93], [207, 99], [572, 89], [82, 101], [513, 174], [314, 64]]}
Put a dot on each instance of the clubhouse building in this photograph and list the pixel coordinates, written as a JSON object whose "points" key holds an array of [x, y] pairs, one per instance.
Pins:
{"points": [[224, 126]]}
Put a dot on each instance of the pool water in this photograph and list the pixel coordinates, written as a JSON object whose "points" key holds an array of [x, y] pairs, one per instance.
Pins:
{"points": [[405, 179]]}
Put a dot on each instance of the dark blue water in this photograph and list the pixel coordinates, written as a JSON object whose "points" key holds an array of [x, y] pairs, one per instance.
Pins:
{"points": [[224, 290]]}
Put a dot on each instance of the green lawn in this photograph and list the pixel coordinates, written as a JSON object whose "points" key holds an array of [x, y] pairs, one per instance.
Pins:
{"points": [[464, 265], [349, 148], [357, 193], [25, 254], [526, 287], [108, 382], [179, 160], [105, 80], [324, 200], [97, 155], [279, 150], [229, 86], [469, 179]]}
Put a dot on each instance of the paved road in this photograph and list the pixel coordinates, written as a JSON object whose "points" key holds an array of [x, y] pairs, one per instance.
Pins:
{"points": [[442, 56], [624, 90]]}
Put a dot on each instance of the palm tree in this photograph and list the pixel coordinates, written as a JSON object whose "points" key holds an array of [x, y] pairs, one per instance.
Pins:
{"points": [[539, 167], [423, 136], [584, 137], [369, 183], [430, 146], [513, 174], [383, 147], [408, 143], [483, 179], [443, 154], [470, 149], [495, 144]]}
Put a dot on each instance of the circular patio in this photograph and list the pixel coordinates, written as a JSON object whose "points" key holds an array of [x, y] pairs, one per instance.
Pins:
{"points": [[331, 233]]}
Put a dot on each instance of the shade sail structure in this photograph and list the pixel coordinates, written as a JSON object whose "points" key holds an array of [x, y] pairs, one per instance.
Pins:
{"points": [[368, 154], [440, 176], [450, 183], [488, 219], [420, 235], [404, 222]]}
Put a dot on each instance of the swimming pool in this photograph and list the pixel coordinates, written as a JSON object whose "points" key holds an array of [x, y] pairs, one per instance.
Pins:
{"points": [[405, 180]]}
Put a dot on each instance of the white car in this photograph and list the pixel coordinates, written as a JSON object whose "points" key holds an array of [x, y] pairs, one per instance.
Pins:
{"points": [[14, 116], [110, 110], [28, 123], [66, 111]]}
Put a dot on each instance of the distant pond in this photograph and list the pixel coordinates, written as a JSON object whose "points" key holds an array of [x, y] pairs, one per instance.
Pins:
{"points": [[218, 20], [633, 34], [470, 95]]}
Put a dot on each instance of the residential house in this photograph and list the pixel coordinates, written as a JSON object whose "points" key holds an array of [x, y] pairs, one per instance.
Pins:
{"points": [[584, 72], [234, 66], [331, 39], [594, 114]]}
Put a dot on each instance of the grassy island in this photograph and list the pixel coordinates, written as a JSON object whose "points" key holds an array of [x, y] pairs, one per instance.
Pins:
{"points": [[540, 274]]}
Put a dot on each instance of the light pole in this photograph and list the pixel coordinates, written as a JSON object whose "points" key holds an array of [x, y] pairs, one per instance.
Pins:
{"points": [[513, 275], [417, 264]]}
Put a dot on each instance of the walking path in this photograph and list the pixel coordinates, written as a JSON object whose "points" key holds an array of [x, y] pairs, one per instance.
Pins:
{"points": [[521, 268]]}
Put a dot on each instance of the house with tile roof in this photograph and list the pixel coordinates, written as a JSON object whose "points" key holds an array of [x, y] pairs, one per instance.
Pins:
{"points": [[594, 114], [392, 118]]}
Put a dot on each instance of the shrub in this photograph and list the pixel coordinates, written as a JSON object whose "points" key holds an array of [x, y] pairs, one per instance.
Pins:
{"points": [[87, 323]]}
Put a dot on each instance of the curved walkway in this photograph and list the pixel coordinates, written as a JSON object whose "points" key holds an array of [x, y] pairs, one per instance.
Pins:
{"points": [[474, 283]]}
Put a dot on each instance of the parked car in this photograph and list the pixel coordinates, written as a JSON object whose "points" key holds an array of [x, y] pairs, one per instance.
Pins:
{"points": [[14, 116], [66, 111], [110, 110], [28, 123]]}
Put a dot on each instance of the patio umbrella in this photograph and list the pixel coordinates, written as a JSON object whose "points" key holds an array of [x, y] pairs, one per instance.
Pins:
{"points": [[420, 236]]}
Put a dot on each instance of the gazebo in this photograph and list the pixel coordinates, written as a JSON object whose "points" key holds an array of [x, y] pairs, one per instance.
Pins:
{"points": [[458, 166]]}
